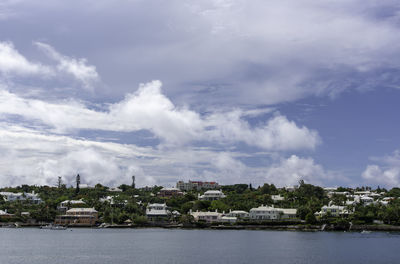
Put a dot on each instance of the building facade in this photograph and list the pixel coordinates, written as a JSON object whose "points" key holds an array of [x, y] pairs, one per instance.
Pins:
{"points": [[157, 212], [78, 217], [196, 185], [212, 195]]}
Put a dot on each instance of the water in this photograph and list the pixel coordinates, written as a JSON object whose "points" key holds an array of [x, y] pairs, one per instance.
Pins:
{"points": [[35, 246]]}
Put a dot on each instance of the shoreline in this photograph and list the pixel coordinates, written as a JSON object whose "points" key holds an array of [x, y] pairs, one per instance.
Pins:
{"points": [[301, 228]]}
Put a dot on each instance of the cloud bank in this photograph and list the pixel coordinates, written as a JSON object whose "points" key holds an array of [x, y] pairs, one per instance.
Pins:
{"points": [[386, 173], [149, 109]]}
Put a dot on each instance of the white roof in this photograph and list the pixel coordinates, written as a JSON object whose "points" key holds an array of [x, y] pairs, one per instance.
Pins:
{"points": [[263, 208], [197, 214], [170, 189], [238, 212], [10, 194], [73, 202], [81, 210], [287, 210], [213, 192]]}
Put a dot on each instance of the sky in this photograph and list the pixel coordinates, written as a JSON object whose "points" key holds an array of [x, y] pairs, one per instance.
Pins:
{"points": [[232, 91]]}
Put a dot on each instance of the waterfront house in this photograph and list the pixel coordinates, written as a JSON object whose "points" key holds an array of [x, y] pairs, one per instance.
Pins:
{"points": [[332, 210], [157, 212], [288, 213], [212, 195], [228, 219], [271, 213], [264, 213], [208, 217], [5, 215], [78, 217], [238, 214]]}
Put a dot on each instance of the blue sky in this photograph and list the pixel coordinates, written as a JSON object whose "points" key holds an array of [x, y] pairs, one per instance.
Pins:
{"points": [[225, 90]]}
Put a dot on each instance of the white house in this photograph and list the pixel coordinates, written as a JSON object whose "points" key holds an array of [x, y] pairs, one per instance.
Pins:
{"points": [[277, 198], [209, 217], [67, 204], [264, 213], [212, 195], [12, 197], [157, 211], [114, 189], [270, 213], [366, 200], [238, 214], [228, 219], [333, 210]]}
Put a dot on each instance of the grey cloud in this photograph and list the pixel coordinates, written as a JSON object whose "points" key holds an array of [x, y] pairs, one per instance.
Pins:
{"points": [[251, 51]]}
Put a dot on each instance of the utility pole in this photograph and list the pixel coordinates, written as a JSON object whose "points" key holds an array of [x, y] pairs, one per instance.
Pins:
{"points": [[78, 181], [59, 182], [133, 181]]}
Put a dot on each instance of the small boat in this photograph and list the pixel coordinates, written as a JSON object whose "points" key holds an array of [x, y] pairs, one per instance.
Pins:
{"points": [[365, 232], [53, 227]]}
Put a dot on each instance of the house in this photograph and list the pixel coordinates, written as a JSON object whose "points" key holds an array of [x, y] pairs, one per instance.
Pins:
{"points": [[169, 192], [291, 188], [114, 200], [277, 198], [366, 200], [114, 189], [196, 185], [264, 213], [228, 219], [333, 210], [5, 215], [212, 195], [157, 212], [238, 214], [78, 217], [331, 194], [208, 217], [30, 197], [271, 213], [67, 204], [288, 213]]}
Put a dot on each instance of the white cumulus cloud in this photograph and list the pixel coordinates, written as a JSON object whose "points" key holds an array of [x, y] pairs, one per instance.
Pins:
{"points": [[387, 173], [148, 109], [78, 68], [293, 169], [13, 63]]}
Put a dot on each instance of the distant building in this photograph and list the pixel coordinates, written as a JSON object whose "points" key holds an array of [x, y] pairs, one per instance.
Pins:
{"points": [[208, 217], [67, 204], [85, 186], [157, 212], [271, 213], [333, 210], [5, 215], [78, 217], [238, 214], [114, 189], [212, 195], [291, 188], [196, 185], [30, 197], [277, 198], [169, 192]]}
